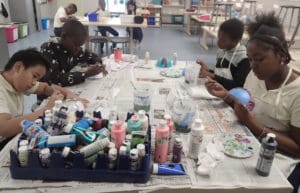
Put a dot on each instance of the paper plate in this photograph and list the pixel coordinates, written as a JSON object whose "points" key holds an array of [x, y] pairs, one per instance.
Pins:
{"points": [[237, 146]]}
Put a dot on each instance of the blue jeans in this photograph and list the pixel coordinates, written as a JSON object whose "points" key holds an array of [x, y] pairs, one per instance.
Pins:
{"points": [[57, 31], [294, 178]]}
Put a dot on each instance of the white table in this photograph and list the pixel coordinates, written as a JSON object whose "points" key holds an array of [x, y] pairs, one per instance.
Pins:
{"points": [[231, 175], [115, 22]]}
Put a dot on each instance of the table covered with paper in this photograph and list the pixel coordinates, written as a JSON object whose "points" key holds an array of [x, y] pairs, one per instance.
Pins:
{"points": [[229, 174]]}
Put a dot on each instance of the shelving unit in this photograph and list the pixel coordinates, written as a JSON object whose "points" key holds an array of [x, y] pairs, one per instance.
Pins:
{"points": [[154, 15], [173, 12]]}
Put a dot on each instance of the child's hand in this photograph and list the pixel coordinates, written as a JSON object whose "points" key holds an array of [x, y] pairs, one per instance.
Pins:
{"points": [[94, 70], [242, 113], [56, 95], [215, 89]]}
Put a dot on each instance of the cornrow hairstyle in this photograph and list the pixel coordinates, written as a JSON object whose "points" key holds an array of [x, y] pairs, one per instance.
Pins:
{"points": [[267, 31]]}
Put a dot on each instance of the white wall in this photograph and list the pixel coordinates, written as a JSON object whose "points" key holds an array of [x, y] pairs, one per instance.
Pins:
{"points": [[48, 9], [2, 18]]}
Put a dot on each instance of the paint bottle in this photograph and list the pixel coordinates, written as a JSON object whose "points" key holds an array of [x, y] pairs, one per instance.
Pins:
{"points": [[118, 133], [88, 161], [174, 58], [47, 122], [196, 136], [266, 154], [94, 147], [147, 57], [112, 158], [57, 141], [102, 133], [127, 144], [170, 124], [133, 159], [59, 120], [48, 113], [79, 115], [68, 155], [161, 142], [23, 142], [97, 124], [23, 155], [168, 169], [144, 119], [31, 130], [84, 123], [134, 124], [123, 150], [86, 135], [97, 114], [57, 105], [177, 150], [45, 156], [39, 122], [141, 154]]}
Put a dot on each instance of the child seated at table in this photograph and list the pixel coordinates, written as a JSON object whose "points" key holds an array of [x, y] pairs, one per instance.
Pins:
{"points": [[232, 65], [67, 54], [276, 91], [137, 33], [21, 76], [105, 29]]}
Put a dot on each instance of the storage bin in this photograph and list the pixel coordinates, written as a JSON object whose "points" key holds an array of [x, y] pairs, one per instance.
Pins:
{"points": [[93, 16], [45, 23], [177, 19], [11, 32], [151, 20], [22, 29], [156, 2]]}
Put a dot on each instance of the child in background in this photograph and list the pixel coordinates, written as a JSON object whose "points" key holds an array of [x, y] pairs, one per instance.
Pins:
{"points": [[137, 33], [62, 15], [232, 65], [67, 54], [105, 29], [276, 91], [21, 76]]}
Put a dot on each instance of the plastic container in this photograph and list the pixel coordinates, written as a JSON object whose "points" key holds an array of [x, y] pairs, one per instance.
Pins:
{"points": [[177, 19], [93, 16], [45, 23], [11, 32], [151, 20], [142, 98], [22, 29], [78, 171], [183, 114]]}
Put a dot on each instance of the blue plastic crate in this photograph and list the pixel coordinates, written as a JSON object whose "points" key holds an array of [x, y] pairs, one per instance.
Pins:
{"points": [[93, 16], [79, 172], [151, 20]]}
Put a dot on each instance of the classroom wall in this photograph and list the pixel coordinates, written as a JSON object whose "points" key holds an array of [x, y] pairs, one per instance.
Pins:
{"points": [[2, 18], [48, 9]]}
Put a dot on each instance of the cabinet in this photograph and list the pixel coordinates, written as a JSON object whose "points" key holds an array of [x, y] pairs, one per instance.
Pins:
{"points": [[173, 12]]}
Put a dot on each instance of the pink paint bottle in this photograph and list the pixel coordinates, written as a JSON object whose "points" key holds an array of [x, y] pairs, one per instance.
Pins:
{"points": [[118, 133], [170, 124], [161, 142]]}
